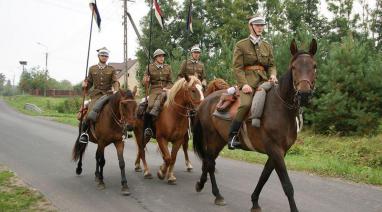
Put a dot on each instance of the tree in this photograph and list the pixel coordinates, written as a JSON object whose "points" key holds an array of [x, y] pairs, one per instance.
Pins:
{"points": [[2, 81]]}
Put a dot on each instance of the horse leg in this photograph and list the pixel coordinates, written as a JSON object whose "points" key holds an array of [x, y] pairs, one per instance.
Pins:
{"points": [[174, 151], [120, 146], [185, 150], [101, 163], [138, 160], [268, 168], [97, 156], [203, 178], [281, 170], [162, 172], [219, 199]]}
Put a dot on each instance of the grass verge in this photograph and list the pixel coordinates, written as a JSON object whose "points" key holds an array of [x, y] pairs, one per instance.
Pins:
{"points": [[15, 196]]}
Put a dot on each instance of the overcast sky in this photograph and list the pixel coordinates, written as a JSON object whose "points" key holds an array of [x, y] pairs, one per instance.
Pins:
{"points": [[63, 26]]}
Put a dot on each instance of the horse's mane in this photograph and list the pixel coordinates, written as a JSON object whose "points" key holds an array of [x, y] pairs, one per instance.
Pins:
{"points": [[115, 98], [179, 84], [216, 84]]}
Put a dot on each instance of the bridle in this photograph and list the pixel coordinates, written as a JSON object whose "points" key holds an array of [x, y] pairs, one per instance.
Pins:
{"points": [[189, 108], [122, 121]]}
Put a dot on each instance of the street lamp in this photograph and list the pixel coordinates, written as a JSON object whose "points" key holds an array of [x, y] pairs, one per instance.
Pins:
{"points": [[23, 63], [46, 64]]}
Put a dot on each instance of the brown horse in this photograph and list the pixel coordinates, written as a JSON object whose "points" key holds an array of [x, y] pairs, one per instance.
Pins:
{"points": [[276, 135], [214, 85], [117, 116]]}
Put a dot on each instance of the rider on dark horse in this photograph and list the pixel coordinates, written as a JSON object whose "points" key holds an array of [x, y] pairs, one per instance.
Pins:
{"points": [[158, 80], [253, 62], [102, 78]]}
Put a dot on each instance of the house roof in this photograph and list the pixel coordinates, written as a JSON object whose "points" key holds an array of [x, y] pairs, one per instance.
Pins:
{"points": [[120, 67]]}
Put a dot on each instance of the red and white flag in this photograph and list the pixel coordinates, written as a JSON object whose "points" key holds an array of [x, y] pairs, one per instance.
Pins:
{"points": [[158, 13]]}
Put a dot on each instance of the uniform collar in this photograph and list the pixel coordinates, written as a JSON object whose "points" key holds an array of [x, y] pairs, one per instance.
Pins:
{"points": [[158, 65], [194, 61], [255, 40], [101, 66]]}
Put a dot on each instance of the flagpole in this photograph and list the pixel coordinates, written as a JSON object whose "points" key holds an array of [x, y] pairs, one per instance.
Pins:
{"points": [[86, 70], [149, 58]]}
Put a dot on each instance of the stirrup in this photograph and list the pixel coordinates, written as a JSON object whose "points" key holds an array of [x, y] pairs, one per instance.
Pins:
{"points": [[148, 133], [233, 143], [86, 136]]}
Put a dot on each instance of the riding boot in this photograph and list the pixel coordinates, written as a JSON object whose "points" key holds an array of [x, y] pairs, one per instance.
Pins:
{"points": [[233, 141], [147, 125], [84, 137]]}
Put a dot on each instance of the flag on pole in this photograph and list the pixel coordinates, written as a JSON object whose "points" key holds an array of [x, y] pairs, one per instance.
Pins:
{"points": [[189, 18], [158, 13], [94, 9]]}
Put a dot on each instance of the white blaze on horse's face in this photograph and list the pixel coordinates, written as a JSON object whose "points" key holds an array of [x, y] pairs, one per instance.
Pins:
{"points": [[200, 89]]}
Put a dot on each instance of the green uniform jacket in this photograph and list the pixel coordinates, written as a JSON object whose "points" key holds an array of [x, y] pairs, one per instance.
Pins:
{"points": [[248, 54], [191, 67], [159, 78], [101, 79]]}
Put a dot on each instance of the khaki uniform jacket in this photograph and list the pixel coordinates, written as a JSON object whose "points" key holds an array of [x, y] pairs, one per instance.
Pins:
{"points": [[190, 67], [102, 80], [248, 54], [159, 78]]}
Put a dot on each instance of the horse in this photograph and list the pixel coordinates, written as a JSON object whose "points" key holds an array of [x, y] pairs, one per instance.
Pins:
{"points": [[117, 116], [275, 136], [214, 85]]}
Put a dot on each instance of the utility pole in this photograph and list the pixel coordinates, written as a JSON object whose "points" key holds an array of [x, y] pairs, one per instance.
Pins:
{"points": [[46, 66], [125, 46]]}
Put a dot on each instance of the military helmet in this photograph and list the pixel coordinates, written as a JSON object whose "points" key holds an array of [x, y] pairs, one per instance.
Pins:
{"points": [[257, 19], [196, 49], [103, 51], [158, 52]]}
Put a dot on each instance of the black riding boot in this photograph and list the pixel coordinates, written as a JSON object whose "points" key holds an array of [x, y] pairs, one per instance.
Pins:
{"points": [[233, 142], [84, 137], [147, 126]]}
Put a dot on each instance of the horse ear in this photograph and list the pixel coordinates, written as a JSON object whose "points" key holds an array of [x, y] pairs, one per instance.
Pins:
{"points": [[293, 47], [135, 91], [187, 78], [313, 47]]}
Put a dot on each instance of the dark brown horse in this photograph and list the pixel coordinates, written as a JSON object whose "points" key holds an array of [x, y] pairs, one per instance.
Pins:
{"points": [[276, 135], [214, 85], [116, 116]]}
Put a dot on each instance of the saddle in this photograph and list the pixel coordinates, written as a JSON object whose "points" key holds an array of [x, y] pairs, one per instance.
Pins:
{"points": [[227, 107]]}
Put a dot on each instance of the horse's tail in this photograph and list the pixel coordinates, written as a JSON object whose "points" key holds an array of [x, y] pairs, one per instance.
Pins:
{"points": [[78, 149], [198, 143]]}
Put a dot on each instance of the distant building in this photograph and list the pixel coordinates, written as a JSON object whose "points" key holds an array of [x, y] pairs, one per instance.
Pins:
{"points": [[132, 67]]}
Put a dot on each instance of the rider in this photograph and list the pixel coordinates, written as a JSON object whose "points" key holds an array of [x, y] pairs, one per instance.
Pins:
{"points": [[102, 77], [193, 66], [252, 61], [158, 79]]}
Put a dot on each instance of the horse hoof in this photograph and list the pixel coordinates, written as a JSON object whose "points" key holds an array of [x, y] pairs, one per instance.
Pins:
{"points": [[256, 209], [160, 175], [171, 181], [101, 186], [148, 175], [220, 201], [96, 179], [125, 191], [78, 171], [138, 169], [189, 169], [198, 187]]}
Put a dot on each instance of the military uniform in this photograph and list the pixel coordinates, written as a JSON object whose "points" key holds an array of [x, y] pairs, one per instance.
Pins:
{"points": [[252, 62], [101, 78], [160, 77], [192, 67]]}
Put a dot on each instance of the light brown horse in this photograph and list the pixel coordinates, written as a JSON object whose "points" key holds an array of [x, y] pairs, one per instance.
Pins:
{"points": [[276, 135], [214, 85], [172, 123], [117, 116]]}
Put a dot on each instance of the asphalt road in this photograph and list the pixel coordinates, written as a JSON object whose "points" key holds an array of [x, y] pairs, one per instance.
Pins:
{"points": [[39, 151]]}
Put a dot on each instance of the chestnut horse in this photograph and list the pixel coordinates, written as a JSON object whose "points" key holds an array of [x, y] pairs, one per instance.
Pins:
{"points": [[117, 116], [214, 85], [276, 135]]}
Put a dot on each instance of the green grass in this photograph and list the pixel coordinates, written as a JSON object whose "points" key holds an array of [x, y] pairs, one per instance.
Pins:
{"points": [[357, 159], [17, 198], [48, 105]]}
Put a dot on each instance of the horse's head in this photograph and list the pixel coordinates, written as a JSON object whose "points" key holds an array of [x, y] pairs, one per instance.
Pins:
{"points": [[194, 90], [128, 108], [216, 85], [303, 68]]}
